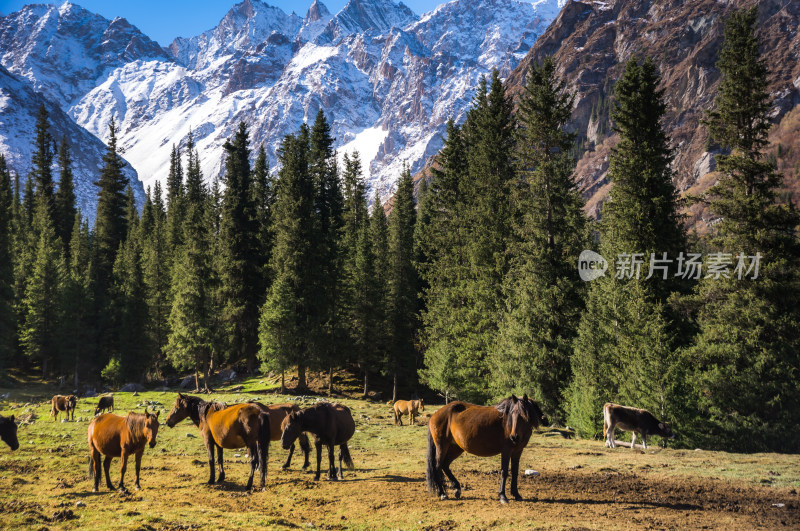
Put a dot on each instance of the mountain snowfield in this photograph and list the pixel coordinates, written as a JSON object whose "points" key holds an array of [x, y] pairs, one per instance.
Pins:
{"points": [[387, 79]]}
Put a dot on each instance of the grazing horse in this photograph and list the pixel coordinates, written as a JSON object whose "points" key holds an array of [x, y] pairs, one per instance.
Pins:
{"points": [[412, 407], [116, 436], [484, 431], [8, 432], [63, 403], [237, 426], [278, 412], [331, 424], [105, 403]]}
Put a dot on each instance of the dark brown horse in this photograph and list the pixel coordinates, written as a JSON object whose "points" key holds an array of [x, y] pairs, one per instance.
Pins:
{"points": [[278, 412], [8, 432], [116, 436], [66, 404], [105, 403], [331, 424], [237, 426], [484, 431]]}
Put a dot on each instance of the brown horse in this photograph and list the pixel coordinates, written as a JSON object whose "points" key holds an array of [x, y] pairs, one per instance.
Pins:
{"points": [[8, 432], [278, 412], [116, 436], [237, 426], [412, 407], [484, 431], [63, 403], [331, 424]]}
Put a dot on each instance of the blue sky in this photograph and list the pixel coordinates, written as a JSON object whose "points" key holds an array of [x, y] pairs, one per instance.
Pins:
{"points": [[163, 20]]}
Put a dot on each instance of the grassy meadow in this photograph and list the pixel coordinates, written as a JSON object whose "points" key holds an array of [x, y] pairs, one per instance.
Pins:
{"points": [[579, 485]]}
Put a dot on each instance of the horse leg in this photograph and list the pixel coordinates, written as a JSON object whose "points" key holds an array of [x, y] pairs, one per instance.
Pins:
{"points": [[288, 458], [253, 451], [305, 445], [454, 484], [503, 475], [441, 457], [138, 457], [339, 474], [318, 444], [122, 467], [514, 474], [210, 445], [332, 464], [107, 468], [221, 476], [96, 468]]}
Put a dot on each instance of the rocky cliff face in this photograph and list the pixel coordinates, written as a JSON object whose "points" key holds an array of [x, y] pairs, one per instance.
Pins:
{"points": [[386, 78], [592, 40]]}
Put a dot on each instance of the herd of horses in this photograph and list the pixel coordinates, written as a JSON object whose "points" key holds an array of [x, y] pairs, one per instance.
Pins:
{"points": [[456, 428]]}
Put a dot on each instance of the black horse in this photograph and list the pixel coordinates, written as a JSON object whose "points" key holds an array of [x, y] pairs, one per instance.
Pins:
{"points": [[331, 424], [8, 432]]}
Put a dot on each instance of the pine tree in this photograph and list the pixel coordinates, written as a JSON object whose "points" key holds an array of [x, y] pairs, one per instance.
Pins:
{"points": [[39, 332], [65, 210], [544, 293], [465, 297], [43, 155], [379, 243], [743, 362], [191, 341], [627, 329], [175, 191], [156, 273], [239, 232], [327, 265], [287, 325], [402, 277], [7, 320]]}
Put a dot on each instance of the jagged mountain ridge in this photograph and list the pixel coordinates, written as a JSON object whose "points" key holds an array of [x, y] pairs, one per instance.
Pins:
{"points": [[591, 41], [387, 79], [19, 105]]}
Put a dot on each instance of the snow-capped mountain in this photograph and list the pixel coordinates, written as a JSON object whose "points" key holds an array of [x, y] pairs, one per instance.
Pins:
{"points": [[387, 79], [19, 106]]}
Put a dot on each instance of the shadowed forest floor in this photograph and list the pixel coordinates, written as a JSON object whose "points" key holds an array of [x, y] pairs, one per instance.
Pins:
{"points": [[580, 485]]}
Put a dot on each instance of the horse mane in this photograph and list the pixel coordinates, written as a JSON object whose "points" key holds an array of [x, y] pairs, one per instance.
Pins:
{"points": [[528, 406], [204, 407], [504, 406], [135, 423]]}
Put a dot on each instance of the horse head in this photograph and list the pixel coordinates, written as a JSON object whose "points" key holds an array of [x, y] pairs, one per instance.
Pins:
{"points": [[520, 416], [183, 407], [421, 405], [291, 428], [8, 432], [151, 427]]}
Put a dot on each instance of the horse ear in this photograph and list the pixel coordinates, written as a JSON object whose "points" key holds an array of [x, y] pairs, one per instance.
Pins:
{"points": [[514, 398], [157, 413], [11, 418], [525, 397], [180, 395]]}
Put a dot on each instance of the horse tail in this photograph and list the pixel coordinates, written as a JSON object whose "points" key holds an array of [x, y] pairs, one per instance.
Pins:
{"points": [[346, 456], [430, 471], [264, 437], [394, 411], [605, 423]]}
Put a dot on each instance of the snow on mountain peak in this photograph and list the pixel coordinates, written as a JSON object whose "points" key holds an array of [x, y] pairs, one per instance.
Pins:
{"points": [[317, 18], [368, 16]]}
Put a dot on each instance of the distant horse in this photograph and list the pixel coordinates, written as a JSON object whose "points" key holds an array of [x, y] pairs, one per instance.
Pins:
{"points": [[484, 431], [63, 403], [331, 424], [237, 426], [8, 432], [278, 412], [412, 407], [105, 403], [116, 436]]}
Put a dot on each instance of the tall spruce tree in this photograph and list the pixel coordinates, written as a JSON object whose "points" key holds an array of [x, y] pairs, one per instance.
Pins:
{"points": [[239, 232], [175, 192], [156, 273], [379, 243], [43, 155], [402, 280], [743, 363], [7, 320], [626, 328], [65, 210], [287, 325], [327, 265], [544, 295]]}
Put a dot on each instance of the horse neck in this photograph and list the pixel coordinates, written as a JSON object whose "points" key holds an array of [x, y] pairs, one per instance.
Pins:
{"points": [[197, 412]]}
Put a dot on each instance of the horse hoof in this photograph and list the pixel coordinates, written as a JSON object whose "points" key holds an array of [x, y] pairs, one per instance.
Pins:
{"points": [[443, 497], [503, 500], [95, 489], [457, 494]]}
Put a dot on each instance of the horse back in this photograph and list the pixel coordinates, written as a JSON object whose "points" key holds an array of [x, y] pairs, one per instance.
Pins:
{"points": [[477, 430], [341, 423], [108, 433], [235, 426]]}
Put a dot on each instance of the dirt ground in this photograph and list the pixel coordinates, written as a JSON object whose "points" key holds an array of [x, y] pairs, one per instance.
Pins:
{"points": [[579, 485]]}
